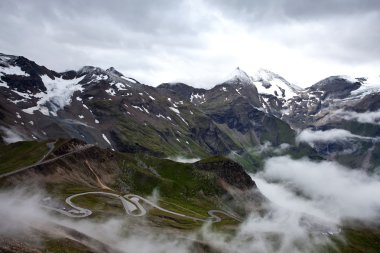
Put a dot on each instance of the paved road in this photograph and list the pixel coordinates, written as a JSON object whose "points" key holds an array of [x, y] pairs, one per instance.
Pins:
{"points": [[43, 161], [132, 207]]}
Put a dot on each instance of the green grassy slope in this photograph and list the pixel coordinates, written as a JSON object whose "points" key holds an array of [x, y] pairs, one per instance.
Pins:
{"points": [[16, 155]]}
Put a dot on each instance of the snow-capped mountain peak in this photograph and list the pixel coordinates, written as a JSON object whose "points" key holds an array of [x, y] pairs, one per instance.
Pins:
{"points": [[111, 75], [239, 76], [266, 82], [270, 83]]}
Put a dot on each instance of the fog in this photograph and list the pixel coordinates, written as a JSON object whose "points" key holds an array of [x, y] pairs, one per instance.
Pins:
{"points": [[309, 200], [311, 137], [278, 231], [363, 117], [323, 189], [10, 136], [21, 212]]}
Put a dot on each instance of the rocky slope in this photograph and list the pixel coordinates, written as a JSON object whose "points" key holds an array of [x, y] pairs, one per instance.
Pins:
{"points": [[110, 109]]}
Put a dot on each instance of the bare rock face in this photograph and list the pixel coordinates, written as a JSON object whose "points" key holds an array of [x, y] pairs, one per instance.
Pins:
{"points": [[336, 86]]}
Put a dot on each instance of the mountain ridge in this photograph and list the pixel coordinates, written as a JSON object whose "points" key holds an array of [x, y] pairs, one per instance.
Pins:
{"points": [[105, 107]]}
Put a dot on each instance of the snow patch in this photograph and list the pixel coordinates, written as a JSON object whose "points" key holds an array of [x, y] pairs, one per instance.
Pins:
{"points": [[174, 109], [197, 96], [106, 139], [270, 83], [129, 79], [160, 116], [121, 86], [101, 77], [4, 85], [13, 70], [111, 92], [58, 94]]}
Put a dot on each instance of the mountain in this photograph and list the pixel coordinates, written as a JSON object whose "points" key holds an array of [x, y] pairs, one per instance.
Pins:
{"points": [[115, 111], [110, 109], [97, 143]]}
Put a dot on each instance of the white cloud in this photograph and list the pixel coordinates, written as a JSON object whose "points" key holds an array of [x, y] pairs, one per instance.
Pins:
{"points": [[308, 200], [329, 189], [311, 137], [363, 117], [10, 136], [21, 213], [182, 159]]}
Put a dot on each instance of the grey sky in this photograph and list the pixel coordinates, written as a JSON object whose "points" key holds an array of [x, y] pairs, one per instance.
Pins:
{"points": [[199, 42]]}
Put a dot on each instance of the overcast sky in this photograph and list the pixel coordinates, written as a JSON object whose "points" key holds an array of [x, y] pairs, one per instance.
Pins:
{"points": [[194, 41]]}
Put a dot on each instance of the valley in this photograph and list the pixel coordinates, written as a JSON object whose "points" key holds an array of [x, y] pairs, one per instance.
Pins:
{"points": [[92, 160]]}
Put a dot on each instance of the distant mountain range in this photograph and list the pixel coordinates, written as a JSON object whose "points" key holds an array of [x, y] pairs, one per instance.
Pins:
{"points": [[245, 112]]}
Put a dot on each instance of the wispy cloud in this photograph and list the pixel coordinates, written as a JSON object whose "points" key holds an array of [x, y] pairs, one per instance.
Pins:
{"points": [[329, 190], [311, 137], [10, 136], [362, 117]]}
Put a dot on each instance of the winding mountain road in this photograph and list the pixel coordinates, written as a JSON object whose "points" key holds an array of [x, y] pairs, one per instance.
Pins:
{"points": [[132, 207], [130, 202]]}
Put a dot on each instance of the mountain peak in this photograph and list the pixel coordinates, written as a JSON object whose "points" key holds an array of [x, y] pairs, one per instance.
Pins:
{"points": [[113, 71], [337, 86], [268, 82], [239, 76], [89, 70]]}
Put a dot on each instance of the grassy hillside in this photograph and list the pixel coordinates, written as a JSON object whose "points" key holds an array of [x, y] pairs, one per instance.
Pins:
{"points": [[16, 155]]}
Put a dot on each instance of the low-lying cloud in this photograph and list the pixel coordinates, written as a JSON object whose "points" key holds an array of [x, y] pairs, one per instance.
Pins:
{"points": [[311, 137], [323, 189], [278, 231], [308, 200], [10, 136], [21, 212], [363, 117], [182, 159]]}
